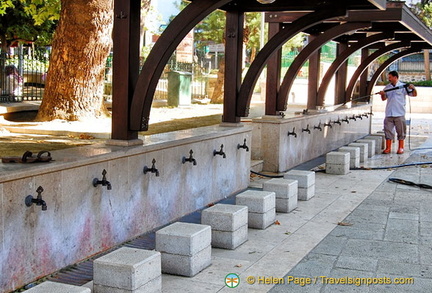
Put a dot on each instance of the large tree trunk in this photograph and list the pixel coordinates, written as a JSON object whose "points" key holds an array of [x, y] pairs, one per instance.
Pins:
{"points": [[75, 79]]}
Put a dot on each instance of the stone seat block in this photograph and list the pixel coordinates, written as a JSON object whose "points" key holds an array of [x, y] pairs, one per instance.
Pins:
{"points": [[354, 155], [225, 217], [306, 193], [381, 141], [126, 268], [183, 238], [304, 178], [261, 220], [54, 287], [257, 201], [185, 265], [363, 150], [230, 239], [378, 142], [337, 158], [337, 169], [371, 146], [286, 205], [283, 188]]}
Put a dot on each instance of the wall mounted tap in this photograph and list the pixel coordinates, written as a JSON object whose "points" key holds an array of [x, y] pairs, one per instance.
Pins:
{"points": [[338, 121], [345, 120], [152, 169], [30, 200], [353, 117], [220, 152], [282, 114], [190, 159], [360, 117], [102, 182], [293, 133], [318, 127], [243, 146], [328, 124], [306, 129], [365, 115]]}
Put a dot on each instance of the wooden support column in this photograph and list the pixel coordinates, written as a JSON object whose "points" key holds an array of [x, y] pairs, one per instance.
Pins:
{"points": [[126, 37], [273, 74], [313, 78], [233, 64], [427, 64], [341, 75], [364, 77]]}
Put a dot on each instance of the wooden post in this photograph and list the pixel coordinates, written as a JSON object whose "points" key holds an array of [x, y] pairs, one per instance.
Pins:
{"points": [[126, 39], [427, 64], [314, 73], [273, 74]]}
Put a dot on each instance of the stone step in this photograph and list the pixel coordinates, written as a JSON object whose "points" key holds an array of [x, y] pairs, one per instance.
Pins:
{"points": [[257, 165]]}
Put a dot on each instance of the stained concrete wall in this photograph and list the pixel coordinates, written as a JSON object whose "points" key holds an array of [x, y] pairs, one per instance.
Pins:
{"points": [[281, 152], [82, 220]]}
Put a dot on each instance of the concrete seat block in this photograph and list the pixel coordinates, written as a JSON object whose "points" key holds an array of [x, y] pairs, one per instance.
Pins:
{"points": [[228, 239], [378, 142], [261, 220], [183, 238], [337, 158], [363, 150], [304, 178], [184, 265], [381, 139], [354, 155], [154, 286], [283, 188], [337, 169], [127, 268], [54, 287], [225, 217], [257, 201], [286, 205], [306, 193], [371, 146]]}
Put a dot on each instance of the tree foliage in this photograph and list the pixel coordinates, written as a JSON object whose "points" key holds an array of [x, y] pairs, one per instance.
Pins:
{"points": [[423, 9], [28, 21]]}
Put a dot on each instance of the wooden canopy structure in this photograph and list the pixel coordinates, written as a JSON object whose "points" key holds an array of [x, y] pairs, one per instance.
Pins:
{"points": [[370, 25]]}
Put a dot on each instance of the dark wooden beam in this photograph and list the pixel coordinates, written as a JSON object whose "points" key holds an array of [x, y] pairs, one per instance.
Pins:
{"points": [[364, 75], [271, 47], [314, 71], [372, 57], [152, 69], [341, 75], [273, 74], [233, 64], [341, 58], [126, 36], [388, 62], [313, 46]]}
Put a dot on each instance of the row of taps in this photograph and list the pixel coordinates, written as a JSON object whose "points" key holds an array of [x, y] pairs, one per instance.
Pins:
{"points": [[30, 200], [329, 123]]}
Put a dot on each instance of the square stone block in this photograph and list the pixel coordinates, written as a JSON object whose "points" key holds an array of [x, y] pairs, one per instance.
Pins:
{"points": [[230, 240], [354, 155], [127, 268], [184, 265], [337, 169], [225, 217], [378, 142], [306, 193], [183, 238], [54, 287], [304, 178], [381, 139], [257, 201], [261, 220], [283, 188], [371, 146], [363, 150], [154, 286], [337, 158], [286, 205]]}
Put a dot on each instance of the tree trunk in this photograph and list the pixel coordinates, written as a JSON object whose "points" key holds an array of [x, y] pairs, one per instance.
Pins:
{"points": [[217, 96], [81, 44]]}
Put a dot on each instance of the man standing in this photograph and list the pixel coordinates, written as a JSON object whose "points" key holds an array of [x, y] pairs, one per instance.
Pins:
{"points": [[395, 94]]}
